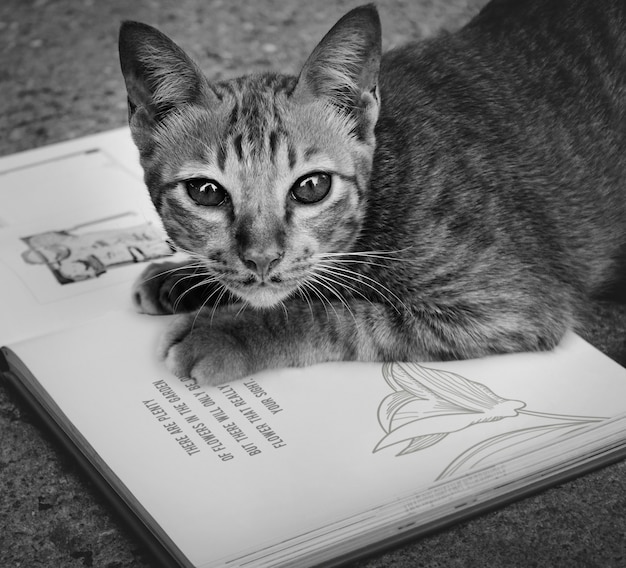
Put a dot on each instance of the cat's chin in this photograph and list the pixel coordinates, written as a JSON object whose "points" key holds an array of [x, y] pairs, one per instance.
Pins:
{"points": [[263, 297]]}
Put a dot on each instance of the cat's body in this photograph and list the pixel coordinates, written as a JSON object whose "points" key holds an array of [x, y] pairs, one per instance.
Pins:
{"points": [[466, 199]]}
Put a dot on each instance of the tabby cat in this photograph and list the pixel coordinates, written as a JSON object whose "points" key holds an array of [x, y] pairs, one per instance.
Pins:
{"points": [[454, 198]]}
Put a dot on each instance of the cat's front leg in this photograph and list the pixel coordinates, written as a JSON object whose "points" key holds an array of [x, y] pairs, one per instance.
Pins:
{"points": [[204, 348], [172, 287], [218, 346]]}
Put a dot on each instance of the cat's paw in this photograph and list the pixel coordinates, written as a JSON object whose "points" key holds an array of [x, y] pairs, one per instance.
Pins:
{"points": [[202, 348], [158, 288]]}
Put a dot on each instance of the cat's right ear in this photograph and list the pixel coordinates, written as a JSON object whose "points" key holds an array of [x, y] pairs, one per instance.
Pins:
{"points": [[159, 76], [343, 69]]}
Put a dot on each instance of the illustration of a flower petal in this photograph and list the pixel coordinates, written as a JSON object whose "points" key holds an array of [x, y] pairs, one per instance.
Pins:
{"points": [[447, 386], [422, 443], [414, 444], [407, 408], [400, 378], [390, 405], [437, 424]]}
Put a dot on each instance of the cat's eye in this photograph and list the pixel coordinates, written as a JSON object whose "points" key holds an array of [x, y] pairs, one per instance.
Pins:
{"points": [[311, 188], [206, 192]]}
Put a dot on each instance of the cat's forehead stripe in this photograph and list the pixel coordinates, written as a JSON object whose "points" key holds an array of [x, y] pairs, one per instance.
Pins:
{"points": [[292, 155], [254, 126], [233, 118], [254, 117], [273, 142], [221, 157], [238, 146], [311, 152]]}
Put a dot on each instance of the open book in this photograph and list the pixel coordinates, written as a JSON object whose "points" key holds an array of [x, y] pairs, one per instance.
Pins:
{"points": [[292, 467]]}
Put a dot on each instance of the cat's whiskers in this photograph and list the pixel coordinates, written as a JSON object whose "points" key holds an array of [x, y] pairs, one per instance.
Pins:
{"points": [[221, 294], [200, 267], [281, 303], [200, 258], [329, 277], [341, 274], [381, 254], [327, 283], [171, 271], [208, 279], [323, 299], [369, 258], [305, 287], [304, 293], [353, 261], [362, 257], [242, 308], [221, 291]]}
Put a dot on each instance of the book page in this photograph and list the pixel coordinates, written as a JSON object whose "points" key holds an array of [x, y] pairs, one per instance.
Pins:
{"points": [[288, 462], [76, 230]]}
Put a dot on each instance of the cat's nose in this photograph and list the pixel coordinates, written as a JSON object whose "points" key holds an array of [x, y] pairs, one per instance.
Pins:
{"points": [[262, 262]]}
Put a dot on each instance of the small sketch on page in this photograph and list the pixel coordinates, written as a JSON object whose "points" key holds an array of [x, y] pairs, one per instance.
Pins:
{"points": [[91, 249], [428, 405]]}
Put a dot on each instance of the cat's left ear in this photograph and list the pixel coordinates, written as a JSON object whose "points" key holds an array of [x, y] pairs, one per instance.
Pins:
{"points": [[344, 66]]}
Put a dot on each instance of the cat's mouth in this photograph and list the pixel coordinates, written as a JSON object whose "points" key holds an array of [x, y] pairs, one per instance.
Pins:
{"points": [[265, 290], [262, 294]]}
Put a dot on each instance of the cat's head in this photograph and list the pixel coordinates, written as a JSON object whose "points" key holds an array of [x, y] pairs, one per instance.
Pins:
{"points": [[260, 176]]}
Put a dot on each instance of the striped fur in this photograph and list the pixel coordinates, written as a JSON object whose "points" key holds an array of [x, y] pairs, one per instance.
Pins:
{"points": [[476, 201]]}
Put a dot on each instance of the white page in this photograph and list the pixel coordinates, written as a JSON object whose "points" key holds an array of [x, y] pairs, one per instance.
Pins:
{"points": [[321, 467], [76, 227]]}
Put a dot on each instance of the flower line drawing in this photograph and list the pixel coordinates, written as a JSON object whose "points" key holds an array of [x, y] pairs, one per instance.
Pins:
{"points": [[427, 405]]}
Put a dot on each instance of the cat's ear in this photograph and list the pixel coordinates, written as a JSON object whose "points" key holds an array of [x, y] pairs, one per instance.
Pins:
{"points": [[159, 75], [344, 66]]}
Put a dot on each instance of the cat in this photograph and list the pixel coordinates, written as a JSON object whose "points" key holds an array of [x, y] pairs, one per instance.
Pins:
{"points": [[453, 198]]}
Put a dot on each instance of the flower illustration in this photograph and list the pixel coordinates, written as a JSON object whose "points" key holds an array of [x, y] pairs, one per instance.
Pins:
{"points": [[428, 404]]}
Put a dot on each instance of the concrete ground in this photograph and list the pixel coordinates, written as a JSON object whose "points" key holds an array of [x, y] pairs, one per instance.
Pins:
{"points": [[59, 79]]}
